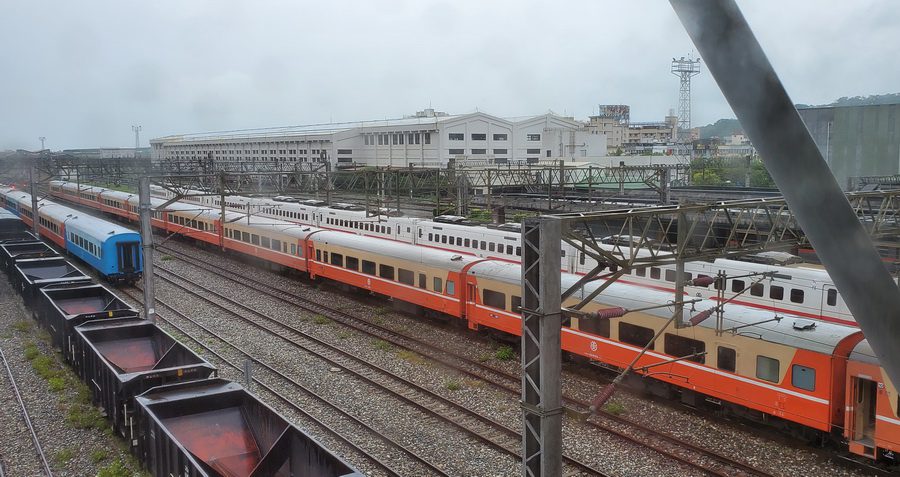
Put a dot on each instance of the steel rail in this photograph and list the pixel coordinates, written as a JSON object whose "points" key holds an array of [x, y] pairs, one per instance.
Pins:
{"points": [[27, 418], [390, 470], [455, 412], [574, 405]]}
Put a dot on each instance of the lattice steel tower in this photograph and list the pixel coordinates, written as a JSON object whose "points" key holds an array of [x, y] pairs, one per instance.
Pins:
{"points": [[685, 69]]}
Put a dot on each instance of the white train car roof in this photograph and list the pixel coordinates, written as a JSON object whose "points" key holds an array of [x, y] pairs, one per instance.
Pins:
{"points": [[802, 333], [427, 256]]}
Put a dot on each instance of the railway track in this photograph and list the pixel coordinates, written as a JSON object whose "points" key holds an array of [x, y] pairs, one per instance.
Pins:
{"points": [[25, 417], [477, 425], [692, 455], [238, 366]]}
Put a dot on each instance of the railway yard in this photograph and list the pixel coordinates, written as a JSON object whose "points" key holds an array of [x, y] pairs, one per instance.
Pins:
{"points": [[395, 394], [389, 391]]}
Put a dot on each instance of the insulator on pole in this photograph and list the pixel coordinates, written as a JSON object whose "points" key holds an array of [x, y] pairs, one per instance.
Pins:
{"points": [[603, 396], [702, 316], [608, 313], [703, 281]]}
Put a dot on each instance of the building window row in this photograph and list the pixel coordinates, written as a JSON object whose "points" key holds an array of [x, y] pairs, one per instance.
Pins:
{"points": [[483, 137], [388, 139]]}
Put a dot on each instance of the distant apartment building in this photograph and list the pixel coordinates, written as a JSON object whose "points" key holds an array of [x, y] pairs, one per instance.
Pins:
{"points": [[427, 139], [614, 121]]}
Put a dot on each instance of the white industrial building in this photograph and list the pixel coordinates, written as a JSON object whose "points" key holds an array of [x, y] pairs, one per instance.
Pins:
{"points": [[428, 139]]}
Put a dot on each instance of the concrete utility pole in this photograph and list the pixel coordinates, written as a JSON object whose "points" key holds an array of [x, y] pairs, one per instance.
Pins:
{"points": [[34, 199], [42, 139], [147, 248]]}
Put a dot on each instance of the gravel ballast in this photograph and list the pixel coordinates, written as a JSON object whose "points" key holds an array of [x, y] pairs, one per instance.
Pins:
{"points": [[777, 456]]}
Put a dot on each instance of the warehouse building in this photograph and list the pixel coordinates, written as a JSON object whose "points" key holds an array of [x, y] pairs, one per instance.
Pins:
{"points": [[857, 141], [427, 139]]}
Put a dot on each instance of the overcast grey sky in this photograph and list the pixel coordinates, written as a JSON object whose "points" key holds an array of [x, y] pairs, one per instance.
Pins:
{"points": [[81, 73]]}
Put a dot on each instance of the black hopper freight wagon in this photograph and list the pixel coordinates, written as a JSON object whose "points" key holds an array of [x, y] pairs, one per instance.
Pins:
{"points": [[60, 308], [120, 358], [32, 274], [215, 427], [12, 252]]}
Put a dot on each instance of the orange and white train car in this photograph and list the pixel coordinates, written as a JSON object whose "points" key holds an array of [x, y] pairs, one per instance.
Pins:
{"points": [[800, 373]]}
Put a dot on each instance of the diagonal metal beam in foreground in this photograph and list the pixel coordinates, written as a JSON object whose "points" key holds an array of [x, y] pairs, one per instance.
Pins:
{"points": [[749, 83]]}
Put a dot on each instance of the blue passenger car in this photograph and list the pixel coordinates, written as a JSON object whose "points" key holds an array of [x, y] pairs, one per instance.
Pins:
{"points": [[114, 251], [111, 249]]}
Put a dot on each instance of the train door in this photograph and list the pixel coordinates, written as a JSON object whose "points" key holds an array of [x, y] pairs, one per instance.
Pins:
{"points": [[865, 395], [471, 302], [127, 252]]}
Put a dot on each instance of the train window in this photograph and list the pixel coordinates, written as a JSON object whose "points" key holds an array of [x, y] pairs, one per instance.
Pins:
{"points": [[423, 281], [276, 244], [654, 273], [518, 251], [726, 359], [451, 287], [831, 299], [352, 263], [776, 292], [437, 285], [679, 346], [491, 246], [796, 295], [641, 271], [499, 248], [738, 286], [581, 258], [767, 368], [516, 303], [325, 256], [443, 238], [483, 245], [368, 267], [293, 249], [386, 271], [670, 275], [636, 335], [337, 259], [266, 242], [194, 224], [318, 255], [245, 237], [757, 289], [803, 377], [509, 249], [406, 276], [466, 243], [254, 239], [430, 237], [493, 299], [459, 241]]}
